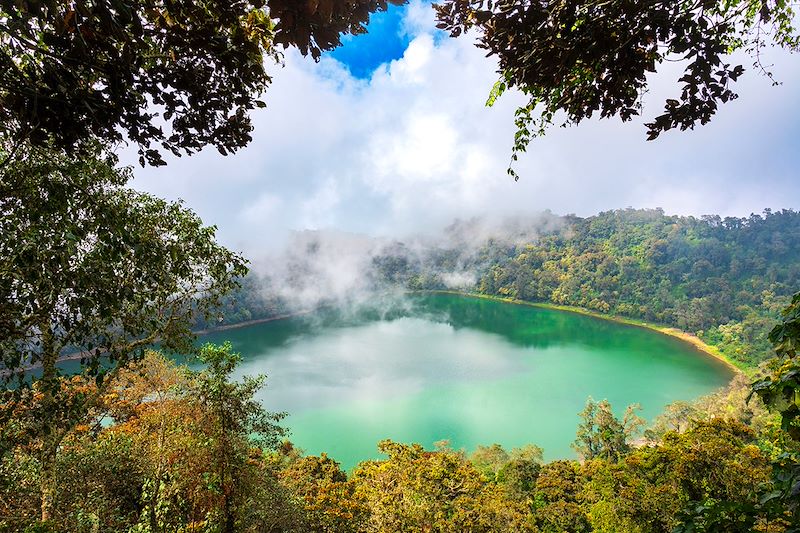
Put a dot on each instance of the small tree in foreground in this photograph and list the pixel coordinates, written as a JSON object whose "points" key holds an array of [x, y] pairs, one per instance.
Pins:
{"points": [[236, 422], [602, 435], [97, 270]]}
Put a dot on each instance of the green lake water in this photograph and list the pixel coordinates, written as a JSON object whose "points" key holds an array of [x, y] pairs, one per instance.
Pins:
{"points": [[468, 370]]}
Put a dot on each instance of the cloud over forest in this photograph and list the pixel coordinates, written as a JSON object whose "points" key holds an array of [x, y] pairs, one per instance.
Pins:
{"points": [[413, 147]]}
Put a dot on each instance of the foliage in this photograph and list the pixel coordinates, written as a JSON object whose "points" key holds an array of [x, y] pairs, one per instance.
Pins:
{"points": [[780, 390], [732, 403], [98, 270], [518, 478], [601, 434], [415, 490], [317, 26], [326, 496], [112, 70], [235, 411], [20, 491], [583, 58], [92, 267], [234, 421], [714, 463], [558, 503], [178, 456], [100, 482], [491, 460]]}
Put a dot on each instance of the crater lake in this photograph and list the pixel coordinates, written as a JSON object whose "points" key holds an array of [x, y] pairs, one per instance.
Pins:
{"points": [[468, 370]]}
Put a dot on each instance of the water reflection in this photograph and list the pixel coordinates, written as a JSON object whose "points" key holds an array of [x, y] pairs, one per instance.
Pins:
{"points": [[378, 361], [468, 370]]}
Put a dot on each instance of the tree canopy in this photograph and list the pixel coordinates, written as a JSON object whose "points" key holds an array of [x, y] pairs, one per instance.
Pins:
{"points": [[580, 58], [174, 75], [92, 268], [601, 434], [89, 265], [781, 389]]}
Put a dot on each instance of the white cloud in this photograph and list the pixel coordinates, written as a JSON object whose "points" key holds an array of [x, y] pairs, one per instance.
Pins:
{"points": [[414, 147], [411, 68], [421, 150], [318, 211], [418, 18], [261, 209]]}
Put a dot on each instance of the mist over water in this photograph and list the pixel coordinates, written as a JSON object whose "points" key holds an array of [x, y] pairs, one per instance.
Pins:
{"points": [[351, 271]]}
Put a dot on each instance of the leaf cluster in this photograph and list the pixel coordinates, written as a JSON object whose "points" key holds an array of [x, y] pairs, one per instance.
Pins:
{"points": [[780, 391], [115, 69], [91, 267], [167, 75], [314, 26], [587, 57]]}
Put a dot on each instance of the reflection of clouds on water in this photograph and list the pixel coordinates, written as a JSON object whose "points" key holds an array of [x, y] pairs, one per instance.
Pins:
{"points": [[468, 370], [378, 361]]}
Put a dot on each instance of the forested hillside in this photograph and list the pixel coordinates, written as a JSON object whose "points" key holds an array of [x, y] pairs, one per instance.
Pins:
{"points": [[725, 280]]}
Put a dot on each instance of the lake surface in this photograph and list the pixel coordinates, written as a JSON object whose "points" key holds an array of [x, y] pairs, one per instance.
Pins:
{"points": [[468, 370]]}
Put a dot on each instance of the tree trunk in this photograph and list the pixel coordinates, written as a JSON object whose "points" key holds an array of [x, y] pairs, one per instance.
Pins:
{"points": [[47, 482], [50, 438], [226, 480], [230, 519], [154, 526]]}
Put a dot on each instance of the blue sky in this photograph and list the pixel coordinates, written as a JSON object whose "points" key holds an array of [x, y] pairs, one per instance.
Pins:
{"points": [[389, 135], [384, 42]]}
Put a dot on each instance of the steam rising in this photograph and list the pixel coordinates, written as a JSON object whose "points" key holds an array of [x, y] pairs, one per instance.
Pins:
{"points": [[351, 271]]}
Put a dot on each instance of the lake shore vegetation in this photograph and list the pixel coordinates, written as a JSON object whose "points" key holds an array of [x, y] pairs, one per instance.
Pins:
{"points": [[132, 442], [173, 449]]}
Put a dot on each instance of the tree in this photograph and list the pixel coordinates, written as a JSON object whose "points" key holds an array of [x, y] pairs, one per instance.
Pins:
{"points": [[488, 460], [235, 421], [729, 403], [558, 498], [714, 463], [580, 58], [491, 460], [92, 268], [416, 490], [74, 71], [602, 435], [324, 493], [175, 454], [780, 391], [518, 477]]}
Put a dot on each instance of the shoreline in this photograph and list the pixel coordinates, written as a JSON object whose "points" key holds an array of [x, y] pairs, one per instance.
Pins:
{"points": [[76, 356], [688, 338], [226, 327]]}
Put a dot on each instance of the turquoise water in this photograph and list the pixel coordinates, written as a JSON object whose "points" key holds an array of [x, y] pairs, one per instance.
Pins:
{"points": [[463, 369]]}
